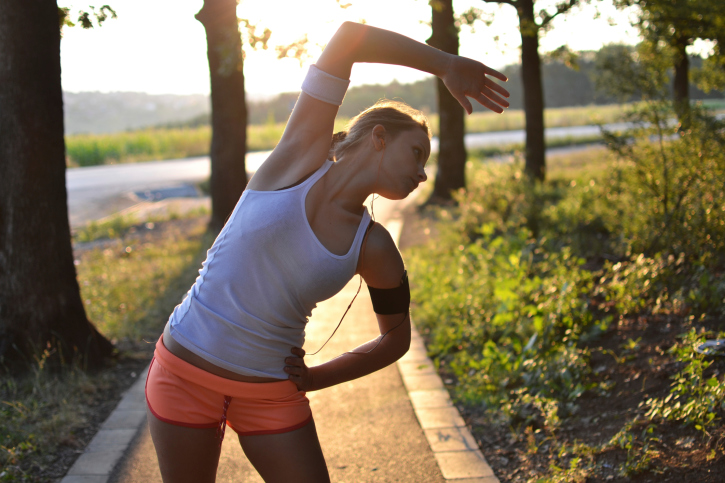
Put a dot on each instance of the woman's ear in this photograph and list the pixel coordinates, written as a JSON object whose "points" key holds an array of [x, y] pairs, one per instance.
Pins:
{"points": [[379, 137]]}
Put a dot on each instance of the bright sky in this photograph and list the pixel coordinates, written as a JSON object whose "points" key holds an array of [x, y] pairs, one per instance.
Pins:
{"points": [[159, 47]]}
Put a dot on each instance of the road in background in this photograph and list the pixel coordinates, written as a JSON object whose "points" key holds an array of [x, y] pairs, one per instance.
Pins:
{"points": [[98, 191]]}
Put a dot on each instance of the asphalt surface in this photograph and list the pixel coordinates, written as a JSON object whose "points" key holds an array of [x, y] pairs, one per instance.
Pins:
{"points": [[367, 427]]}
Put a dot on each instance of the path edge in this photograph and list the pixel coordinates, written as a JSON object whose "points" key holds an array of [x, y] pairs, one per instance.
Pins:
{"points": [[456, 451], [108, 446]]}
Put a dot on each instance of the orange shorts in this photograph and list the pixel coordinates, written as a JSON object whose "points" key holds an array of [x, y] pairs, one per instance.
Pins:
{"points": [[182, 394]]}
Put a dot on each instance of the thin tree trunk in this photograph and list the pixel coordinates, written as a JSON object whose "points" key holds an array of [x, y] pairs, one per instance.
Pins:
{"points": [[228, 107], [533, 92], [40, 303], [681, 83], [452, 150]]}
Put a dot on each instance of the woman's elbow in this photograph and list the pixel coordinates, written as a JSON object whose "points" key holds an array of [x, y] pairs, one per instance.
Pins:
{"points": [[403, 341], [351, 28]]}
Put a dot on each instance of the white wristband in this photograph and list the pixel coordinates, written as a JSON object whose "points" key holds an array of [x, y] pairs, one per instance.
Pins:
{"points": [[324, 87]]}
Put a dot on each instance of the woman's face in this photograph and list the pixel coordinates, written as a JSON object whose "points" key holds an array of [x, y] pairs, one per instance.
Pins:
{"points": [[403, 164]]}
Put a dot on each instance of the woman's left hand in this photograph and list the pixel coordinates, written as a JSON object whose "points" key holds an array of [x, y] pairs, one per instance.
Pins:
{"points": [[469, 78], [298, 371]]}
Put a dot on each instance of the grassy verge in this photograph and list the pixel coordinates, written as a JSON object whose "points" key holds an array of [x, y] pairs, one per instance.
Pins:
{"points": [[152, 144], [571, 351], [130, 287], [118, 226]]}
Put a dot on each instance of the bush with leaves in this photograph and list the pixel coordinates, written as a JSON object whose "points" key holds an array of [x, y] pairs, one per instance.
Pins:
{"points": [[505, 313], [672, 180], [697, 396]]}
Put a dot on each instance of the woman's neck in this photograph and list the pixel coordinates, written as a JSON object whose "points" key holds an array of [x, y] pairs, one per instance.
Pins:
{"points": [[349, 182]]}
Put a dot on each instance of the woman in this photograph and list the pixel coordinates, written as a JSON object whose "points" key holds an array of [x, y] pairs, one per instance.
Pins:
{"points": [[231, 352]]}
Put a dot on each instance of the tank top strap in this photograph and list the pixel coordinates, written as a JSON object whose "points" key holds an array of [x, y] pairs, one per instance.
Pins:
{"points": [[309, 182]]}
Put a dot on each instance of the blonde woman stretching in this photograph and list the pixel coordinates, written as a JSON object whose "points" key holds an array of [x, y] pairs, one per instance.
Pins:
{"points": [[231, 351]]}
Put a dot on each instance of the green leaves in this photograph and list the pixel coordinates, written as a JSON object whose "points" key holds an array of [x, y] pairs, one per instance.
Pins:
{"points": [[694, 398], [85, 19]]}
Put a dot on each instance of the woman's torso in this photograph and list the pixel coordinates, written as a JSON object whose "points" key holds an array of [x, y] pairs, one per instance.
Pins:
{"points": [[334, 228]]}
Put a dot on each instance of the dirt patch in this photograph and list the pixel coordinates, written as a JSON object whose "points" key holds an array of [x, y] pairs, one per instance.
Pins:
{"points": [[678, 453]]}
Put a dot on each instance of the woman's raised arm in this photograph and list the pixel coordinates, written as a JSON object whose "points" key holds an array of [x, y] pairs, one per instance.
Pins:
{"points": [[463, 77], [307, 136]]}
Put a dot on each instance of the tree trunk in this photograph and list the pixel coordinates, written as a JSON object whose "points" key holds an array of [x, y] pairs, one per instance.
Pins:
{"points": [[533, 92], [451, 150], [40, 303], [681, 83], [228, 107]]}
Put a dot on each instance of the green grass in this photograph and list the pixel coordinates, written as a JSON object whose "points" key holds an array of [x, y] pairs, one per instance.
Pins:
{"points": [[157, 144], [129, 290], [116, 226], [130, 147], [40, 412]]}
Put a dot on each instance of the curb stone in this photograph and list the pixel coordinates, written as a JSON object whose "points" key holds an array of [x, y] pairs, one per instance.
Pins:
{"points": [[458, 456], [110, 443]]}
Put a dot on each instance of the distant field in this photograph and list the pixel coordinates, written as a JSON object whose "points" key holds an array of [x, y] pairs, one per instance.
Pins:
{"points": [[156, 144]]}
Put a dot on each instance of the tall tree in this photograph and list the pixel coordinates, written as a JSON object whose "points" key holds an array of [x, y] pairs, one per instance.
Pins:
{"points": [[677, 24], [530, 30], [40, 303], [451, 150], [228, 104]]}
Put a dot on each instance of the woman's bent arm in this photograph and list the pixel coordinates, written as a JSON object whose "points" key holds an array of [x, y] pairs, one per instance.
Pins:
{"points": [[382, 267], [362, 43], [306, 140], [366, 359]]}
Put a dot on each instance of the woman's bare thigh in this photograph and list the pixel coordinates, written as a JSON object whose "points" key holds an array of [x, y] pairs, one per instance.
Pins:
{"points": [[185, 454], [293, 456]]}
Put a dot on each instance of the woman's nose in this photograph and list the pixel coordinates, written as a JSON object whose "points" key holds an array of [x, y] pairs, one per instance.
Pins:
{"points": [[422, 176]]}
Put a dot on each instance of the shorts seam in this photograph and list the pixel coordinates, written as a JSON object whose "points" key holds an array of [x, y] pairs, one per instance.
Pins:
{"points": [[274, 431], [179, 423]]}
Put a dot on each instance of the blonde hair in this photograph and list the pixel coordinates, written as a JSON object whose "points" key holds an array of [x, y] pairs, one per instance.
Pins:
{"points": [[394, 116]]}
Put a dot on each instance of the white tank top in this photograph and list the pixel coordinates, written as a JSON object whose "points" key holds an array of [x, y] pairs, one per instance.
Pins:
{"points": [[262, 277]]}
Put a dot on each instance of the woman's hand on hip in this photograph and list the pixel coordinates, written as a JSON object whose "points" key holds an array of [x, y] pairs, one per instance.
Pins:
{"points": [[298, 371], [468, 78]]}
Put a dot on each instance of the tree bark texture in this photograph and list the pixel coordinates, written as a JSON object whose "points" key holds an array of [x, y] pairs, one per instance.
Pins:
{"points": [[533, 91], [681, 84], [452, 150], [40, 303], [228, 107]]}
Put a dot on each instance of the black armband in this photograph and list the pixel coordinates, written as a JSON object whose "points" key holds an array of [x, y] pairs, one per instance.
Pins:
{"points": [[388, 301]]}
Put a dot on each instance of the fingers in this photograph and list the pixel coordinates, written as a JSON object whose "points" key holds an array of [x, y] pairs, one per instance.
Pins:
{"points": [[489, 94], [495, 73], [463, 101], [298, 381], [294, 370], [298, 351], [496, 87], [294, 362]]}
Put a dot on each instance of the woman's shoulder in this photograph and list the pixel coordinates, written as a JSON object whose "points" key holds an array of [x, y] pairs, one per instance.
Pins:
{"points": [[381, 264], [284, 167]]}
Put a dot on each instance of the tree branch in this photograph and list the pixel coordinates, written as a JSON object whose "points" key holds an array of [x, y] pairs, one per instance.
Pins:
{"points": [[562, 7], [507, 2]]}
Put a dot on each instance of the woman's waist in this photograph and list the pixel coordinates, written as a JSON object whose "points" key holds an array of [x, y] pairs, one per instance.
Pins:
{"points": [[187, 356]]}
